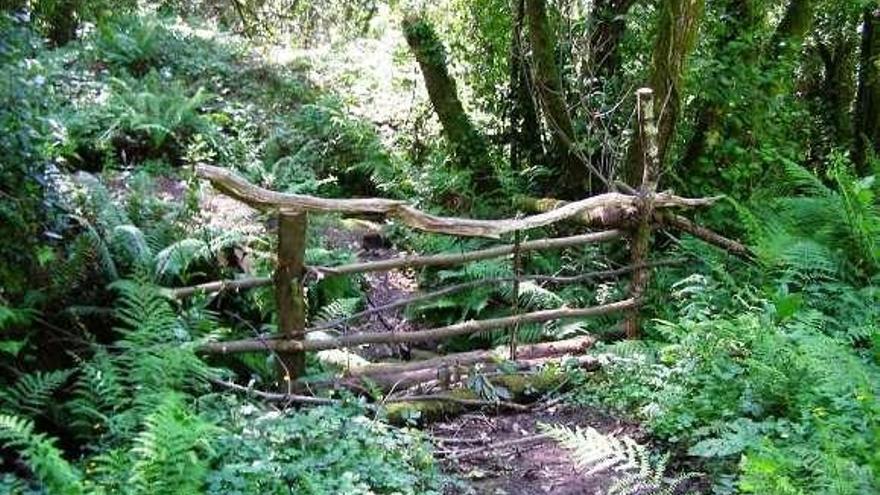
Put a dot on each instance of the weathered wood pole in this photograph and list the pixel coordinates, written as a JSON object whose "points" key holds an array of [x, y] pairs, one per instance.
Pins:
{"points": [[641, 236], [289, 293]]}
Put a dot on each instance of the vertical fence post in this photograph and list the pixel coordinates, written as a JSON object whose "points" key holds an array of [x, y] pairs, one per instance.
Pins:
{"points": [[289, 293], [641, 237], [517, 272]]}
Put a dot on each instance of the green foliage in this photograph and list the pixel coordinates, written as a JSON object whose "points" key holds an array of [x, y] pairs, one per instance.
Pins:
{"points": [[150, 115], [41, 455], [31, 395], [131, 43], [321, 450]]}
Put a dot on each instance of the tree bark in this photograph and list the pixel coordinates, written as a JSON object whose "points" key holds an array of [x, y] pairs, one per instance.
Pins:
{"points": [[575, 181], [468, 145], [867, 116], [744, 18], [526, 145], [794, 26], [677, 33], [609, 30], [289, 294]]}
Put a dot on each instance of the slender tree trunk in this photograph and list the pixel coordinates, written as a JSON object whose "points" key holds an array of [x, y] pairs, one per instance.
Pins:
{"points": [[467, 143], [678, 27], [837, 88], [609, 30], [795, 24], [526, 145], [867, 116], [744, 17], [574, 178]]}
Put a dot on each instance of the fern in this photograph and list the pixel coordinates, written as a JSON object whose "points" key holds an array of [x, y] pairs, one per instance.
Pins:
{"points": [[170, 454], [338, 308], [594, 452], [31, 394], [41, 455]]}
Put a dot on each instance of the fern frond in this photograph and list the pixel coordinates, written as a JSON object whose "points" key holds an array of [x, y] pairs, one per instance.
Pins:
{"points": [[594, 452], [172, 450], [40, 454], [31, 394]]}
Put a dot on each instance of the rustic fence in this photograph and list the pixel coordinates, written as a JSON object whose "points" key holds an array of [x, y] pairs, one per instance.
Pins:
{"points": [[632, 215]]}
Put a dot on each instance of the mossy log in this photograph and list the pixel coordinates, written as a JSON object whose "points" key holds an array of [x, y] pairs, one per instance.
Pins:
{"points": [[522, 387]]}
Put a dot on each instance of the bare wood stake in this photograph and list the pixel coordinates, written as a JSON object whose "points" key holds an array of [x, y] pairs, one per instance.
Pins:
{"points": [[642, 235], [289, 294], [517, 269]]}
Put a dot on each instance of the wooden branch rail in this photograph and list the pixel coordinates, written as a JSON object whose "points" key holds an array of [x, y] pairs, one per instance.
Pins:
{"points": [[451, 289], [455, 373], [407, 262], [465, 328], [291, 398], [239, 188]]}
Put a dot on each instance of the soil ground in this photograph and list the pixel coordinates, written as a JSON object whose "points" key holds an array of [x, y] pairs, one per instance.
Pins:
{"points": [[534, 468]]}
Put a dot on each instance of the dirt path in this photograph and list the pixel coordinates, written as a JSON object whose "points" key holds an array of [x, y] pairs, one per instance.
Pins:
{"points": [[536, 467]]}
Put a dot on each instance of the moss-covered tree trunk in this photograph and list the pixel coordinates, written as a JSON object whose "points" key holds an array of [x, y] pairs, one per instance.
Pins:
{"points": [[468, 145], [837, 88], [795, 24], [744, 19], [679, 22], [610, 16], [574, 179], [526, 145], [867, 115]]}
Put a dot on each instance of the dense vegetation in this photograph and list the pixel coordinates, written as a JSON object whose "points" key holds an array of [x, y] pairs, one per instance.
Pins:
{"points": [[762, 373]]}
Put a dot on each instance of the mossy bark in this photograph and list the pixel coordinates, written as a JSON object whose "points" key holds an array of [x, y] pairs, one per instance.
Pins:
{"points": [[867, 116], [610, 18], [745, 18], [679, 22], [526, 146], [575, 180], [468, 145]]}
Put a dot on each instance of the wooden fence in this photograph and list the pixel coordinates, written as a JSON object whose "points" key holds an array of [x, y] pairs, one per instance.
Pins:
{"points": [[633, 215]]}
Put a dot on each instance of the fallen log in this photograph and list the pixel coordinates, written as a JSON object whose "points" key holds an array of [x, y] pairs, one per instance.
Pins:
{"points": [[239, 188], [458, 329], [573, 346], [405, 262], [449, 374]]}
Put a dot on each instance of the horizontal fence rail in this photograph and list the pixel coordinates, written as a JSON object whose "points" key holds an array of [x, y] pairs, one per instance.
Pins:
{"points": [[465, 328], [595, 207], [411, 262]]}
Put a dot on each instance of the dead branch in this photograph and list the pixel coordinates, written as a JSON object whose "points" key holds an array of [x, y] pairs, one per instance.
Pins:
{"points": [[464, 328], [406, 262], [602, 274], [574, 346], [686, 225], [239, 188]]}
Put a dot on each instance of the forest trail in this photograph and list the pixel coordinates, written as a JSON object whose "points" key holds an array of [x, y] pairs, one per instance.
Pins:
{"points": [[508, 454]]}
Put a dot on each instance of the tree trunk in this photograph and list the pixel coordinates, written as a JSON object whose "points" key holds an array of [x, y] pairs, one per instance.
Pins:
{"points": [[795, 24], [467, 143], [574, 179], [867, 118], [837, 89], [679, 23], [526, 145], [745, 17], [609, 29]]}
